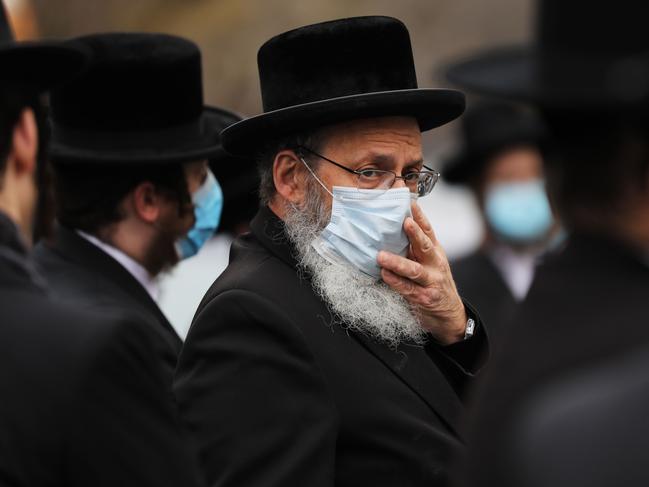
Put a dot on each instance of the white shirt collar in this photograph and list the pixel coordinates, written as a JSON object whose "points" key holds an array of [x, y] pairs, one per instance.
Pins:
{"points": [[131, 265], [516, 268]]}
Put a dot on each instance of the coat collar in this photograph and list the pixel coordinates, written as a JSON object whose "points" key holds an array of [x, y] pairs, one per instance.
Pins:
{"points": [[408, 362], [16, 268], [270, 231], [9, 236], [74, 248]]}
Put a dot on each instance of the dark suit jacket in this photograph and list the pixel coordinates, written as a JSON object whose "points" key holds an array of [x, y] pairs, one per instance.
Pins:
{"points": [[277, 393], [481, 284], [81, 403], [587, 304], [589, 428], [82, 273]]}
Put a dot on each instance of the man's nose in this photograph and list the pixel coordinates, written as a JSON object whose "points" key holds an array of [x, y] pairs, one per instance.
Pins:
{"points": [[399, 183]]}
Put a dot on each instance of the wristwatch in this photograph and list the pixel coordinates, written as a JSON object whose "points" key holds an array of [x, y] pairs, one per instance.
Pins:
{"points": [[470, 328]]}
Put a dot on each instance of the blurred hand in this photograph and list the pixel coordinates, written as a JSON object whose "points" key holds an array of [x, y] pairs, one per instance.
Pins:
{"points": [[424, 279]]}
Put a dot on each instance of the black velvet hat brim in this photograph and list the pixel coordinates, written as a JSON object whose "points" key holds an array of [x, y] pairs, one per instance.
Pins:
{"points": [[40, 65], [571, 81], [162, 149], [431, 107]]}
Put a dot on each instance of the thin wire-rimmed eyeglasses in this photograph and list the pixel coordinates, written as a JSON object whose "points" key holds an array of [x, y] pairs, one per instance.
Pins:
{"points": [[420, 183]]}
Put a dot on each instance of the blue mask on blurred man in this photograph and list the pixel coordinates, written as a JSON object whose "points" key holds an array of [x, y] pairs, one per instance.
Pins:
{"points": [[208, 205], [519, 212]]}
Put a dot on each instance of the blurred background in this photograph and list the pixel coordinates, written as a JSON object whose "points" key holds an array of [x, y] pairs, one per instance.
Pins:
{"points": [[229, 33]]}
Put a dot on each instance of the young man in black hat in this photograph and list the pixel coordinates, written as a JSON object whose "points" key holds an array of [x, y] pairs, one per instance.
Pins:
{"points": [[82, 402], [131, 138], [333, 348], [500, 161], [182, 289], [588, 305]]}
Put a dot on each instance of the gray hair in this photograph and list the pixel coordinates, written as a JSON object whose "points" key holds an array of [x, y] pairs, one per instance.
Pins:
{"points": [[266, 157]]}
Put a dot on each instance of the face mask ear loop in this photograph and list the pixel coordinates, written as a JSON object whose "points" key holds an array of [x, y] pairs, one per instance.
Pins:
{"points": [[318, 179]]}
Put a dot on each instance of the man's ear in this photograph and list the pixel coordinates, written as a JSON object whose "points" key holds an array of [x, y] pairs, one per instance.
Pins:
{"points": [[146, 202], [288, 176], [25, 143]]}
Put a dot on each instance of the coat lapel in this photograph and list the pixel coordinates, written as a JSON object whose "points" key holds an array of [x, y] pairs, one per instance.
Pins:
{"points": [[409, 363], [414, 367], [74, 248]]}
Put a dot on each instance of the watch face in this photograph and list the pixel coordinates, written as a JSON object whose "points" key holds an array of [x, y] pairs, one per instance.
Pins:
{"points": [[470, 328]]}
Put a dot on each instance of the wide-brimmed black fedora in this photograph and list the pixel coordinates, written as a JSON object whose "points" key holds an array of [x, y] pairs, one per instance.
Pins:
{"points": [[487, 128], [586, 54], [337, 71], [35, 65], [139, 101]]}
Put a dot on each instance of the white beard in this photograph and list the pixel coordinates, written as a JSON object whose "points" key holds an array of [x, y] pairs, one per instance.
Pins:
{"points": [[359, 302]]}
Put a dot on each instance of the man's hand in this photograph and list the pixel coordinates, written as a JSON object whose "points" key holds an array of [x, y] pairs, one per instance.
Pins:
{"points": [[424, 279]]}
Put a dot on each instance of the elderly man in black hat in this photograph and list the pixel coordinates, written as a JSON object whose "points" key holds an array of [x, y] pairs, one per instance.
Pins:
{"points": [[82, 401], [588, 304], [131, 139], [500, 161], [333, 349]]}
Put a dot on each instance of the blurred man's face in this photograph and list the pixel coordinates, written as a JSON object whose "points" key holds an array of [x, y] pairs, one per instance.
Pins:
{"points": [[513, 198], [175, 221], [515, 165], [18, 187], [389, 144]]}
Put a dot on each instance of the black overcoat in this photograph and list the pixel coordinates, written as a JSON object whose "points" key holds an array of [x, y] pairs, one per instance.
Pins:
{"points": [[587, 305], [81, 400], [80, 272], [479, 281], [276, 393]]}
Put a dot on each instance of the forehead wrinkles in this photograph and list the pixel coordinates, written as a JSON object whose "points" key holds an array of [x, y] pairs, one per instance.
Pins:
{"points": [[389, 141], [403, 145]]}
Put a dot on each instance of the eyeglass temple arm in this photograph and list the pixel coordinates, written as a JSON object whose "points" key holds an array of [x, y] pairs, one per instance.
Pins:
{"points": [[329, 160], [352, 170]]}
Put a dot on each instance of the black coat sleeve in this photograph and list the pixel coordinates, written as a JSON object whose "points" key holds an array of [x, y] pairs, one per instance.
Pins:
{"points": [[253, 398], [462, 361], [125, 430]]}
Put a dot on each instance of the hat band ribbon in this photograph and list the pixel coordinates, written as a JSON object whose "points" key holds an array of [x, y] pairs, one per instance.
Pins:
{"points": [[170, 137]]}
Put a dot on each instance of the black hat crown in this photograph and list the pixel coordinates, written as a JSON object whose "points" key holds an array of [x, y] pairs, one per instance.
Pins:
{"points": [[335, 59], [596, 27], [587, 55], [140, 100], [156, 79], [34, 66], [591, 49], [486, 126], [489, 127], [336, 71]]}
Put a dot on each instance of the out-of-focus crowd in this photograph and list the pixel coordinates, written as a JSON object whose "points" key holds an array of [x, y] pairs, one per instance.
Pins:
{"points": [[332, 341]]}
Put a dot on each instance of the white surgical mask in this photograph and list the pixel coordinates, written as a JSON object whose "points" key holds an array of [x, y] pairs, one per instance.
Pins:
{"points": [[364, 222]]}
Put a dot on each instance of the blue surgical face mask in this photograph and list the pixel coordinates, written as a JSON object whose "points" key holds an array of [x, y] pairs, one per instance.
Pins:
{"points": [[208, 205], [364, 222], [519, 212]]}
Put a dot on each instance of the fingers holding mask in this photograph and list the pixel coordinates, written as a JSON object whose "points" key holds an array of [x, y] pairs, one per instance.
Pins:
{"points": [[404, 267], [424, 246]]}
